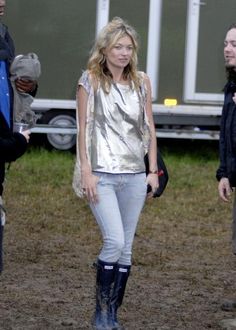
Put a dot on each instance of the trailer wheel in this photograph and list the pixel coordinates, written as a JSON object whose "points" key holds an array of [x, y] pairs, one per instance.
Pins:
{"points": [[60, 118]]}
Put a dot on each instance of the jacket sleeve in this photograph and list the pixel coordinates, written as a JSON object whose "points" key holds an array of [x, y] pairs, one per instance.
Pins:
{"points": [[7, 49], [12, 147], [222, 170]]}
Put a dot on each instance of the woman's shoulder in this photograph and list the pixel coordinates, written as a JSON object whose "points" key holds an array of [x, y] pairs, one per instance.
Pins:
{"points": [[88, 81], [143, 76], [143, 80], [85, 81], [84, 77]]}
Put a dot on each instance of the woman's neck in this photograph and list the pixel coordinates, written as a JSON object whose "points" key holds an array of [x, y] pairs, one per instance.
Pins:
{"points": [[119, 79], [117, 75]]}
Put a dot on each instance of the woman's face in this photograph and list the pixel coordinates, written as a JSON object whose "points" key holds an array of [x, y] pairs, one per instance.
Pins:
{"points": [[119, 55]]}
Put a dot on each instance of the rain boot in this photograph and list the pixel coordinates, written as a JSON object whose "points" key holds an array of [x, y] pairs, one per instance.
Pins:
{"points": [[121, 277], [104, 281]]}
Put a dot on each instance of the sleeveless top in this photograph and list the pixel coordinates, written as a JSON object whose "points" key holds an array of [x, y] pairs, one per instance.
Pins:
{"points": [[117, 145], [117, 130]]}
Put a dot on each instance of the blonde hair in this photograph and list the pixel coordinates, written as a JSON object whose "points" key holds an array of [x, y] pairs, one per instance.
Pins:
{"points": [[107, 38]]}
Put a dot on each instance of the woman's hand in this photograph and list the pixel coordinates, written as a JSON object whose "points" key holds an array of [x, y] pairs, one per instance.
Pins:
{"points": [[152, 180], [234, 98], [89, 184]]}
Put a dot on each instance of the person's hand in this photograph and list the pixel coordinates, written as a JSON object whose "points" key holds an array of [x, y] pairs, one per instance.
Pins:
{"points": [[152, 180], [89, 184], [234, 98], [25, 85], [224, 189], [26, 134]]}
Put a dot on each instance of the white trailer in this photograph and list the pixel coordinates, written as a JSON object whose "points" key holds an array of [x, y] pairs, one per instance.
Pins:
{"points": [[181, 51]]}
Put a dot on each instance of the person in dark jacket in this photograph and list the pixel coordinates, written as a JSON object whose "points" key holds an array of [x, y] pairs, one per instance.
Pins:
{"points": [[226, 173], [12, 144]]}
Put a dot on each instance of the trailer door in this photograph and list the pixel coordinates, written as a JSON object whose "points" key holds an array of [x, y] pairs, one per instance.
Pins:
{"points": [[208, 21]]}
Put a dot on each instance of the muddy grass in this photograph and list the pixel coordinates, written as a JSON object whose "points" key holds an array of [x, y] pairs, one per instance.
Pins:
{"points": [[182, 269]]}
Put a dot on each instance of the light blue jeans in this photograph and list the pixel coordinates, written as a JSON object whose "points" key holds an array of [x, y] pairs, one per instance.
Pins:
{"points": [[121, 199]]}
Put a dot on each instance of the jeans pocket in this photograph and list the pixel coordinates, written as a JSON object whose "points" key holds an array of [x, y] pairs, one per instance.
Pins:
{"points": [[101, 177]]}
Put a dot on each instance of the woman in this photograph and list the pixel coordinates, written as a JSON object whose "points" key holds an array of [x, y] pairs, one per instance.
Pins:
{"points": [[115, 131]]}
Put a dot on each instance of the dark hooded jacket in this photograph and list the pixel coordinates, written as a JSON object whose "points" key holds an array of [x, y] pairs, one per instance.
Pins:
{"points": [[227, 143], [12, 145]]}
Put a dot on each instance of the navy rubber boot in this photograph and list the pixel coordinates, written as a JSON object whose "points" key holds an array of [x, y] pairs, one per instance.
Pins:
{"points": [[121, 278], [104, 281]]}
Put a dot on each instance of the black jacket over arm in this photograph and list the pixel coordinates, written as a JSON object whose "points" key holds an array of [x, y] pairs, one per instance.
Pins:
{"points": [[227, 143]]}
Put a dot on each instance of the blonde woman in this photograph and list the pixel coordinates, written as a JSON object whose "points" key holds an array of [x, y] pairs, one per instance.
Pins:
{"points": [[115, 131]]}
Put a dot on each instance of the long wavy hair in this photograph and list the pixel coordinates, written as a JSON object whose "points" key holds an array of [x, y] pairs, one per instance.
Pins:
{"points": [[107, 38]]}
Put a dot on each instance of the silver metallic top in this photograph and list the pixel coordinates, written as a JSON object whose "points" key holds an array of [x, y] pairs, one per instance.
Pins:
{"points": [[117, 138], [142, 124]]}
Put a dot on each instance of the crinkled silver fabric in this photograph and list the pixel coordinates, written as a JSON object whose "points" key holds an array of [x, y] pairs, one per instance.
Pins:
{"points": [[117, 141]]}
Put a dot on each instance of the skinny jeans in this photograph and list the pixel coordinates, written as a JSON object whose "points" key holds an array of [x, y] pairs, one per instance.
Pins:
{"points": [[121, 198]]}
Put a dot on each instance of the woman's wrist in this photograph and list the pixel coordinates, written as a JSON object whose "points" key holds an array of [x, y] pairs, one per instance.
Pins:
{"points": [[153, 172], [86, 169]]}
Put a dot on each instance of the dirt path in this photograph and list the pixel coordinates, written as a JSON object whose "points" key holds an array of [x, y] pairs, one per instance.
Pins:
{"points": [[182, 262]]}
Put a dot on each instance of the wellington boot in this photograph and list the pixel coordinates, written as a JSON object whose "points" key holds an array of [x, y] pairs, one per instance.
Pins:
{"points": [[121, 278], [105, 279]]}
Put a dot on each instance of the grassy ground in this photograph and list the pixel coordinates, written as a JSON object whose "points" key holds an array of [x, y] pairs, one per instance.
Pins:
{"points": [[182, 261]]}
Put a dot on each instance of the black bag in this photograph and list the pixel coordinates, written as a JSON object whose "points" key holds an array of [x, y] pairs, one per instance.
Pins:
{"points": [[162, 173]]}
